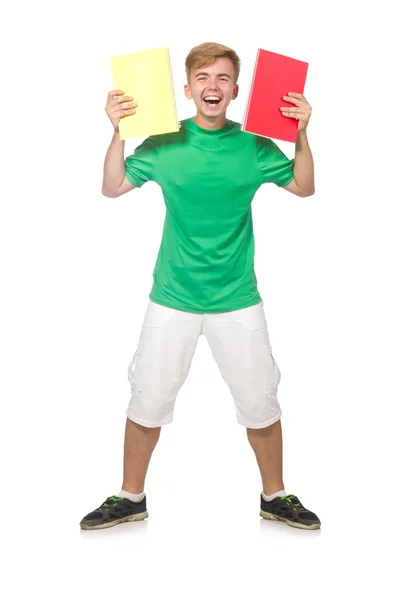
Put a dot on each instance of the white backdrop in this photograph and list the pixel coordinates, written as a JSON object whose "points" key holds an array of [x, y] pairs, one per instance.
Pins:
{"points": [[76, 272]]}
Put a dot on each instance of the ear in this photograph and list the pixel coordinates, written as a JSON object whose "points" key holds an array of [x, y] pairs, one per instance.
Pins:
{"points": [[187, 91], [235, 92]]}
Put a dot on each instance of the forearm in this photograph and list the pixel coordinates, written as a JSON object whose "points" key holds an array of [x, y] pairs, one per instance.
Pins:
{"points": [[114, 167], [304, 165]]}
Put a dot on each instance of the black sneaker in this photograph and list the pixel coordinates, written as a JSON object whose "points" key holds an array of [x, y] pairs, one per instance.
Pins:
{"points": [[290, 510], [113, 511]]}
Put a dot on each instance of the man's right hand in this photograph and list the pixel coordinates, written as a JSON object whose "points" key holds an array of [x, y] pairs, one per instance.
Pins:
{"points": [[119, 106]]}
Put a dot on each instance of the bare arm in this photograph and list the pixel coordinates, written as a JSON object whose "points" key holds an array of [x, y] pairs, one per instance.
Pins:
{"points": [[115, 182], [303, 182]]}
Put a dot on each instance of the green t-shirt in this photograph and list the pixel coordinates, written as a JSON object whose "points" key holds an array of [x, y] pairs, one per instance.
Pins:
{"points": [[208, 178]]}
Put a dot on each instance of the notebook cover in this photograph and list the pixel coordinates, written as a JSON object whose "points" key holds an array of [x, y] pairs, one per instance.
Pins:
{"points": [[147, 77], [274, 76]]}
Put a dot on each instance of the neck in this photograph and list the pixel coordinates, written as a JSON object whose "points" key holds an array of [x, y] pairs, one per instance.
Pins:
{"points": [[210, 122]]}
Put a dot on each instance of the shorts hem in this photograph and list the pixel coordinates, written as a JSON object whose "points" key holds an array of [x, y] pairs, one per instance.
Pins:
{"points": [[261, 425], [146, 423]]}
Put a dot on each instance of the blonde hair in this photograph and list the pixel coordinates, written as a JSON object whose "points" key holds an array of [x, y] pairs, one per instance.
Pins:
{"points": [[205, 54]]}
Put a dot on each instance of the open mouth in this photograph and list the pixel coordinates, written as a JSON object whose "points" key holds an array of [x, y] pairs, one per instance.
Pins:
{"points": [[212, 101]]}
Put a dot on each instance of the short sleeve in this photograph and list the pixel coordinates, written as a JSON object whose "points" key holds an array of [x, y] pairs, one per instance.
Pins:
{"points": [[140, 166], [274, 165]]}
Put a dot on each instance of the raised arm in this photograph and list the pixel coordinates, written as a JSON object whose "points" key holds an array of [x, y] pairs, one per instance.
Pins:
{"points": [[115, 182], [303, 182]]}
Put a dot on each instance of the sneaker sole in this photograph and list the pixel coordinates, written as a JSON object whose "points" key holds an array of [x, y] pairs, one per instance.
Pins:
{"points": [[138, 517], [271, 517]]}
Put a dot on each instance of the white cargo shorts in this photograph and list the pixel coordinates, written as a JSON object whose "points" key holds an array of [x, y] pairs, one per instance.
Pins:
{"points": [[239, 343]]}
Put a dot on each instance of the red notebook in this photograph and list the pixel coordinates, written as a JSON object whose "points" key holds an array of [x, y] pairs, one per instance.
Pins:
{"points": [[274, 76]]}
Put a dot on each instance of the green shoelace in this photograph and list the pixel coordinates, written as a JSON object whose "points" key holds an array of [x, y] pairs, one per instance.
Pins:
{"points": [[115, 500], [292, 500]]}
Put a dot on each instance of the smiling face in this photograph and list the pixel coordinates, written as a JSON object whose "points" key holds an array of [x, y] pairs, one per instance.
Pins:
{"points": [[212, 88]]}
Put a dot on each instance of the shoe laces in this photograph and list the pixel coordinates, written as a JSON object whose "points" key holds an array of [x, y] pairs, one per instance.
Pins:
{"points": [[292, 501], [112, 500]]}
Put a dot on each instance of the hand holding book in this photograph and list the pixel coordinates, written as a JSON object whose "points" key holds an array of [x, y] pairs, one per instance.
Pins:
{"points": [[118, 106], [302, 111]]}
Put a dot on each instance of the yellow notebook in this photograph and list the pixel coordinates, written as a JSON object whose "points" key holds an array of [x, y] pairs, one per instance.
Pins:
{"points": [[147, 77]]}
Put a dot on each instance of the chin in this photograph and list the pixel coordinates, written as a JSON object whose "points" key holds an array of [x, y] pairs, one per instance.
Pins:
{"points": [[212, 114]]}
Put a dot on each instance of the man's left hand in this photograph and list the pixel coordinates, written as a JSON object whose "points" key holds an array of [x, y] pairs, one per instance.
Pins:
{"points": [[302, 112]]}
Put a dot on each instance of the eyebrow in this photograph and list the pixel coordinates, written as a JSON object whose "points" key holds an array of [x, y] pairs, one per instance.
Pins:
{"points": [[220, 74]]}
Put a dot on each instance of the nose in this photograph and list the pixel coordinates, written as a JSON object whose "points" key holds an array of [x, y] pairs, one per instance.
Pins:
{"points": [[213, 87]]}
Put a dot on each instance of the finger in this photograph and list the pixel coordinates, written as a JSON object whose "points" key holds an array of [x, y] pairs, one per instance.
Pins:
{"points": [[300, 116], [299, 103], [294, 111], [297, 95], [117, 96], [126, 111], [119, 102], [291, 108], [128, 105], [291, 99], [297, 99], [122, 99]]}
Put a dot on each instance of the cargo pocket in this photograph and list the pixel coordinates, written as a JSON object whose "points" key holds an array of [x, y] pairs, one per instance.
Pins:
{"points": [[277, 370], [132, 377], [271, 371]]}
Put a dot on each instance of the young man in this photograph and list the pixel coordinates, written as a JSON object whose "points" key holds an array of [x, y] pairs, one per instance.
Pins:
{"points": [[204, 280]]}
